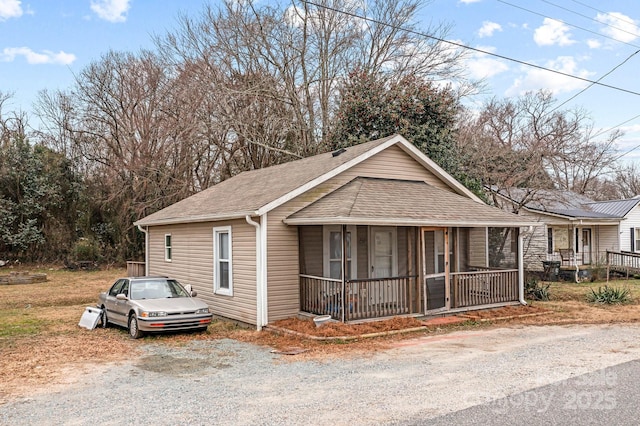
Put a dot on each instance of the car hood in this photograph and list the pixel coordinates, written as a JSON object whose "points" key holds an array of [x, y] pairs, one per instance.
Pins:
{"points": [[171, 304]]}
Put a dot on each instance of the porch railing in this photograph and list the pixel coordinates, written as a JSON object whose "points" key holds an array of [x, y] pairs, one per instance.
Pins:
{"points": [[366, 298], [484, 287], [625, 262]]}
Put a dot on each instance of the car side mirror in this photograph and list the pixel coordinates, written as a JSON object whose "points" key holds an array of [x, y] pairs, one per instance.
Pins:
{"points": [[121, 296], [194, 293]]}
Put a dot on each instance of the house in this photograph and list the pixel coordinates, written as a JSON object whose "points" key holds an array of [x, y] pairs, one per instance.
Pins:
{"points": [[370, 231], [572, 228]]}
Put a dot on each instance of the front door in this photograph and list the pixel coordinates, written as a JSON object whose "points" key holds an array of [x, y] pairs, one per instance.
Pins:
{"points": [[435, 268]]}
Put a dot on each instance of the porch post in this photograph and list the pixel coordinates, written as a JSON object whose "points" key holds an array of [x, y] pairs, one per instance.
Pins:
{"points": [[344, 272], [521, 236]]}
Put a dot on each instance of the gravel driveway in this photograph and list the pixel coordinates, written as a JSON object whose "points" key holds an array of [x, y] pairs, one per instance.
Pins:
{"points": [[229, 382]]}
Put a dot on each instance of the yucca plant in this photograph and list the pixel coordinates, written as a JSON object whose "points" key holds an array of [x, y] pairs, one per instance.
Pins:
{"points": [[534, 291], [609, 295]]}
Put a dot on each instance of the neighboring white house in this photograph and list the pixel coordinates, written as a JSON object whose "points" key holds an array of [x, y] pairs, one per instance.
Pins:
{"points": [[573, 229]]}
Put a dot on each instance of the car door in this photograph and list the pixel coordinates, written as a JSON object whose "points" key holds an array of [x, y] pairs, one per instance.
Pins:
{"points": [[121, 307], [110, 301]]}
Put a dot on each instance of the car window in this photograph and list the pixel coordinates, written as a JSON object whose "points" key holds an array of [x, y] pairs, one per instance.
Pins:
{"points": [[115, 288], [125, 288], [176, 289], [157, 289]]}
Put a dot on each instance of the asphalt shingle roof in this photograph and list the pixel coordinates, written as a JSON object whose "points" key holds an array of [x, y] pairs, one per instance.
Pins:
{"points": [[249, 191], [399, 202]]}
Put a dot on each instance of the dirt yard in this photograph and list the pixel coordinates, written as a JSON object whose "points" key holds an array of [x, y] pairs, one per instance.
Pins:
{"points": [[41, 343]]}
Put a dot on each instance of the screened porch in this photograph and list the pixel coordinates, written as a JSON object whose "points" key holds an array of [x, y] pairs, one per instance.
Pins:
{"points": [[405, 270]]}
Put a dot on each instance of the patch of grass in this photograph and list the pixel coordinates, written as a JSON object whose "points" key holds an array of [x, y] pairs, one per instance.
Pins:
{"points": [[18, 323], [609, 295]]}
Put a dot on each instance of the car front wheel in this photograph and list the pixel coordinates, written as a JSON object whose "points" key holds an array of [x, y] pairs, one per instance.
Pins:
{"points": [[103, 318], [134, 331]]}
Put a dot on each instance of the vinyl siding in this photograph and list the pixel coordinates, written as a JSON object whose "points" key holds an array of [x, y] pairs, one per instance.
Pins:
{"points": [[393, 163], [606, 238], [192, 263]]}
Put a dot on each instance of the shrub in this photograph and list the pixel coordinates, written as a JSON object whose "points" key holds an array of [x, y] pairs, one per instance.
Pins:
{"points": [[609, 295], [534, 291], [86, 250]]}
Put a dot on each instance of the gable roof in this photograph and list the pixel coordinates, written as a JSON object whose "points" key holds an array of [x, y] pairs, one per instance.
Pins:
{"points": [[258, 191], [374, 201]]}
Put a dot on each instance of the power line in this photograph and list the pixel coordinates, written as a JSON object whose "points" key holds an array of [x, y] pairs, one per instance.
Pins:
{"points": [[600, 79], [615, 127], [474, 49], [603, 12], [568, 24], [590, 18]]}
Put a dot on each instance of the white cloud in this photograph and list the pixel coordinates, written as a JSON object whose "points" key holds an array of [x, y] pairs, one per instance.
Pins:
{"points": [[482, 66], [488, 28], [111, 10], [535, 79], [593, 44], [552, 32], [622, 28], [470, 1], [9, 54], [10, 9]]}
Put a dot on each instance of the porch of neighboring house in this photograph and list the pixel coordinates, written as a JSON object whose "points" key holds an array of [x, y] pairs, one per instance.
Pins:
{"points": [[573, 250], [405, 270]]}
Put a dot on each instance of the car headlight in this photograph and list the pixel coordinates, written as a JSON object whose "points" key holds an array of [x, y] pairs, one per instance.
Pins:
{"points": [[149, 314], [202, 311]]}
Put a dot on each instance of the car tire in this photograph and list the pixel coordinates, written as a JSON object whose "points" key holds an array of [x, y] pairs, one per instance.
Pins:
{"points": [[103, 318], [134, 331]]}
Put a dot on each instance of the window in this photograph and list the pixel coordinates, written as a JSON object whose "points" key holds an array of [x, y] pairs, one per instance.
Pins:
{"points": [[222, 267], [549, 241], [333, 252], [167, 247], [636, 246]]}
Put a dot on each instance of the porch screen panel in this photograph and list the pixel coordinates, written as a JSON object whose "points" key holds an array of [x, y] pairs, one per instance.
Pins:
{"points": [[335, 254], [310, 252], [383, 252]]}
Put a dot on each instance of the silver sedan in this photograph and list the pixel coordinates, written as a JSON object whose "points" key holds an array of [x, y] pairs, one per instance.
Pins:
{"points": [[152, 304]]}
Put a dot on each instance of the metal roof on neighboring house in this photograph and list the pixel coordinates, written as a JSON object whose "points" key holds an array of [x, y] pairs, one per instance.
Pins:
{"points": [[618, 208], [567, 203], [374, 201]]}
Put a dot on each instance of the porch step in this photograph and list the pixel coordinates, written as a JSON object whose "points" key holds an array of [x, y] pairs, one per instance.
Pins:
{"points": [[444, 321]]}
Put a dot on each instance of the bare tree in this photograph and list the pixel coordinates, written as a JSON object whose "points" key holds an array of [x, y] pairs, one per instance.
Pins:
{"points": [[529, 145], [299, 53]]}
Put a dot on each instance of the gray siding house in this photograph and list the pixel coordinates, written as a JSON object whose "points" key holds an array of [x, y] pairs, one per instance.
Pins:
{"points": [[370, 231]]}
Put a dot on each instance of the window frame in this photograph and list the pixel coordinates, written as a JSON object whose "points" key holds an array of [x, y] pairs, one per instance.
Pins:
{"points": [[549, 240], [636, 246], [168, 251], [217, 288]]}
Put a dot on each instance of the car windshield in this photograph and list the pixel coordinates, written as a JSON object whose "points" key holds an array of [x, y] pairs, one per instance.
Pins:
{"points": [[156, 289]]}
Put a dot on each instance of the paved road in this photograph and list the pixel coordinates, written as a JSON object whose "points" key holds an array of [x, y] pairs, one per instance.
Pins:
{"points": [[517, 375], [609, 396]]}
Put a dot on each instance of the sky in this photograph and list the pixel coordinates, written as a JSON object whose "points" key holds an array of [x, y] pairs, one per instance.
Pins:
{"points": [[44, 43]]}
